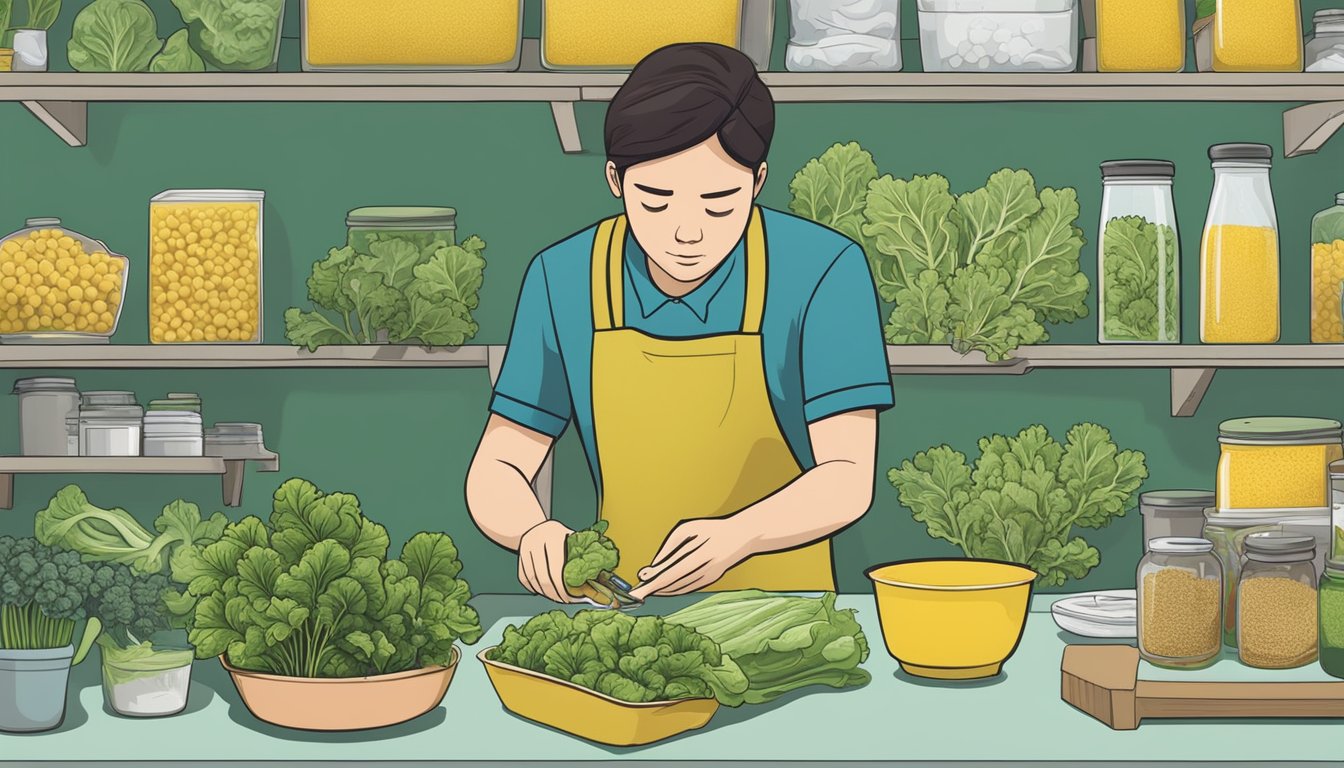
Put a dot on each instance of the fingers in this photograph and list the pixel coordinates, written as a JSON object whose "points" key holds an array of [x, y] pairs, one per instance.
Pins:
{"points": [[675, 575], [541, 576], [680, 556], [555, 571], [675, 541]]}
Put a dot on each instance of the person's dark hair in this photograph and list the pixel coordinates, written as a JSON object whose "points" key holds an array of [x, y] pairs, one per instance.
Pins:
{"points": [[680, 96]]}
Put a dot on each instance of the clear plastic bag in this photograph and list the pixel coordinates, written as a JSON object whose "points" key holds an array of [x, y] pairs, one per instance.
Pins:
{"points": [[844, 36]]}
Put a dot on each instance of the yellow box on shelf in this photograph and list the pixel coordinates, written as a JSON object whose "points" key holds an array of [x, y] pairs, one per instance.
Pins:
{"points": [[616, 34], [357, 35]]}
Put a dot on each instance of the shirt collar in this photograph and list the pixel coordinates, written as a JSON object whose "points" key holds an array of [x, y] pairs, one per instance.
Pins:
{"points": [[651, 299]]}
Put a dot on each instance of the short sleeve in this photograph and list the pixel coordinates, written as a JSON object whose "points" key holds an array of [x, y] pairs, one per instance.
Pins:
{"points": [[844, 357], [531, 389]]}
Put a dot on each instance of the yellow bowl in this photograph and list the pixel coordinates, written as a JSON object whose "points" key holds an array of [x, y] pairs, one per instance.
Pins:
{"points": [[952, 619], [589, 714]]}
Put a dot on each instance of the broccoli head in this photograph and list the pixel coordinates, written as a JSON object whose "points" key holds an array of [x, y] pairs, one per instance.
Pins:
{"points": [[588, 553]]}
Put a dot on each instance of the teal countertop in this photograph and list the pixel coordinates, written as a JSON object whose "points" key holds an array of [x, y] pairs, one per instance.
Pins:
{"points": [[1015, 719]]}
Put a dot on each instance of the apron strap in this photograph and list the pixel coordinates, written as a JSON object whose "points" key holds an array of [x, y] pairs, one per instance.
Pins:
{"points": [[754, 307], [604, 318]]}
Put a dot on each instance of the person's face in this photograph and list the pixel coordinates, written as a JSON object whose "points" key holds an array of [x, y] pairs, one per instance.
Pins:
{"points": [[688, 211]]}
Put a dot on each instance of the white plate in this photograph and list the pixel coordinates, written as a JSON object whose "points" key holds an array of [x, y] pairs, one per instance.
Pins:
{"points": [[1109, 614]]}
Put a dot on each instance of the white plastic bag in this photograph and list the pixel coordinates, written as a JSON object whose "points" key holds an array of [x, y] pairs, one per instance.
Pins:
{"points": [[30, 50], [844, 36]]}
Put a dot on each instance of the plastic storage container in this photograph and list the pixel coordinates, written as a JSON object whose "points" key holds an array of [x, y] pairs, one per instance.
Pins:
{"points": [[1277, 602], [358, 35], [110, 430], [1257, 36], [422, 226], [205, 266], [1180, 603], [1139, 257], [616, 34], [844, 36], [58, 286], [235, 440], [236, 36], [1140, 35], [1239, 262], [44, 405], [1332, 619], [1327, 274], [156, 685], [174, 433], [1277, 463], [998, 35], [1325, 49], [1177, 514]]}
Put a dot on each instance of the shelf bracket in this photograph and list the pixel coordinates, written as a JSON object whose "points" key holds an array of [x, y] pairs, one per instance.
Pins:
{"points": [[1307, 128], [1188, 387], [567, 126], [543, 483], [232, 479], [67, 119]]}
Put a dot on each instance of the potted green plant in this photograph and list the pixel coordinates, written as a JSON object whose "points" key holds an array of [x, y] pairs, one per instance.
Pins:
{"points": [[30, 39], [317, 626], [44, 594]]}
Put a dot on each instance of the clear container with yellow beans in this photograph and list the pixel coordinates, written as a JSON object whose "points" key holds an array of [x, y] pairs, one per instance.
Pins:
{"points": [[616, 34], [1277, 463], [1257, 36], [205, 266], [1239, 257], [58, 286], [1140, 35], [1327, 274], [429, 35]]}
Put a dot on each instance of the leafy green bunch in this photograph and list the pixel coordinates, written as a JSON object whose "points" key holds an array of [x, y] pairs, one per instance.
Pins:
{"points": [[413, 291], [233, 35], [314, 594], [1024, 495], [588, 553], [632, 659], [1140, 270], [43, 594], [123, 36], [985, 270]]}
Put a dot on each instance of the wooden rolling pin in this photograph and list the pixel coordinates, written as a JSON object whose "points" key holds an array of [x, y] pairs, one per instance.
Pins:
{"points": [[1103, 681]]}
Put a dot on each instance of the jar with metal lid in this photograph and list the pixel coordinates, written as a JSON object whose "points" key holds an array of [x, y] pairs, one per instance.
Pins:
{"points": [[420, 226], [1258, 36], [1277, 602], [1332, 619], [1174, 513], [1327, 273], [1325, 49], [1139, 257], [237, 440], [1239, 259], [110, 430], [1228, 534], [1140, 35], [1180, 603], [1278, 463], [44, 405]]}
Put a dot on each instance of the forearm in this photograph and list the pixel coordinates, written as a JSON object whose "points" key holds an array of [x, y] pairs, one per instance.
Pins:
{"points": [[502, 502], [822, 501]]}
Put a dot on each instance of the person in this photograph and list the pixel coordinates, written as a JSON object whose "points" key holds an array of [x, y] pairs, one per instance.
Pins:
{"points": [[723, 363]]}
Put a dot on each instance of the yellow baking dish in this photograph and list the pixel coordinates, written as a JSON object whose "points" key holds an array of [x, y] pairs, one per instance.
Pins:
{"points": [[616, 34], [355, 35], [589, 714]]}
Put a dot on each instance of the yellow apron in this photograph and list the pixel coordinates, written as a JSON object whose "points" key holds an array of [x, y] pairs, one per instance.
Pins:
{"points": [[685, 428]]}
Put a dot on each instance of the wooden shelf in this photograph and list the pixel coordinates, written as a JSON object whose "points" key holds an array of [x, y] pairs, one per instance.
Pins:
{"points": [[230, 471], [60, 100]]}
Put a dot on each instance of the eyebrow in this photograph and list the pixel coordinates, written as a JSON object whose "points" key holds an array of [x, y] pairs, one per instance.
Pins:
{"points": [[655, 191], [724, 193]]}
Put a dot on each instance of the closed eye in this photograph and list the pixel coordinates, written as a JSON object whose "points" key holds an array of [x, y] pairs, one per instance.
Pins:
{"points": [[653, 209], [719, 214]]}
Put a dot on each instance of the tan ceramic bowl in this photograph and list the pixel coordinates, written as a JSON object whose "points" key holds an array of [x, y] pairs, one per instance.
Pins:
{"points": [[342, 704]]}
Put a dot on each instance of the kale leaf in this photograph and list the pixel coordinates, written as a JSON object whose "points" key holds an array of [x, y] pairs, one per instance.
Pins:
{"points": [[1140, 285]]}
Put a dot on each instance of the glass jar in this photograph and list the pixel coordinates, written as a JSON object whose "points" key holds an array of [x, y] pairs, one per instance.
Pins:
{"points": [[1139, 256], [423, 227], [1325, 49], [1140, 35], [1239, 260], [1228, 534], [205, 266], [1332, 619], [1257, 36], [65, 288], [1327, 273], [1277, 602], [1174, 513], [44, 405], [1180, 603], [1337, 509], [1277, 463]]}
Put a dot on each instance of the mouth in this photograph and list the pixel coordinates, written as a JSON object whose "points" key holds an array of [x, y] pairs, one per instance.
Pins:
{"points": [[686, 256]]}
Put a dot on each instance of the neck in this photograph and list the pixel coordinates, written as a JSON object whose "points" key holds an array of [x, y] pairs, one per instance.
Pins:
{"points": [[670, 285]]}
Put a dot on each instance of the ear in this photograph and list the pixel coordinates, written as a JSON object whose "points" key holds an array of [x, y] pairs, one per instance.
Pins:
{"points": [[613, 179], [760, 181]]}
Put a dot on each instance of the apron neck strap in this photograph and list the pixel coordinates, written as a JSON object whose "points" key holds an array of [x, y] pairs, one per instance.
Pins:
{"points": [[608, 276]]}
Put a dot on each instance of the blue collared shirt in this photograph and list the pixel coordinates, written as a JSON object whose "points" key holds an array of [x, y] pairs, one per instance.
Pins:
{"points": [[821, 332]]}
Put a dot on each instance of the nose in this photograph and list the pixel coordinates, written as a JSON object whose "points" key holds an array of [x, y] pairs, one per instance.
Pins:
{"points": [[688, 235]]}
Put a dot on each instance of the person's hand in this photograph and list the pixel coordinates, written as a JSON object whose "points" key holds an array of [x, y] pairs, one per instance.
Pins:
{"points": [[696, 554], [541, 560]]}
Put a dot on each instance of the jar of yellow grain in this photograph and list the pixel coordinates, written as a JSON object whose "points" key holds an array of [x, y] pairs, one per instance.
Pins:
{"points": [[1277, 463], [1277, 605], [358, 35], [1239, 257], [205, 266], [1257, 36], [1140, 35], [1327, 274], [616, 34], [1180, 591], [58, 286]]}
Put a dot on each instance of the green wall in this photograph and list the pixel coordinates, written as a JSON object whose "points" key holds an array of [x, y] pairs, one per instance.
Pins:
{"points": [[403, 439]]}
